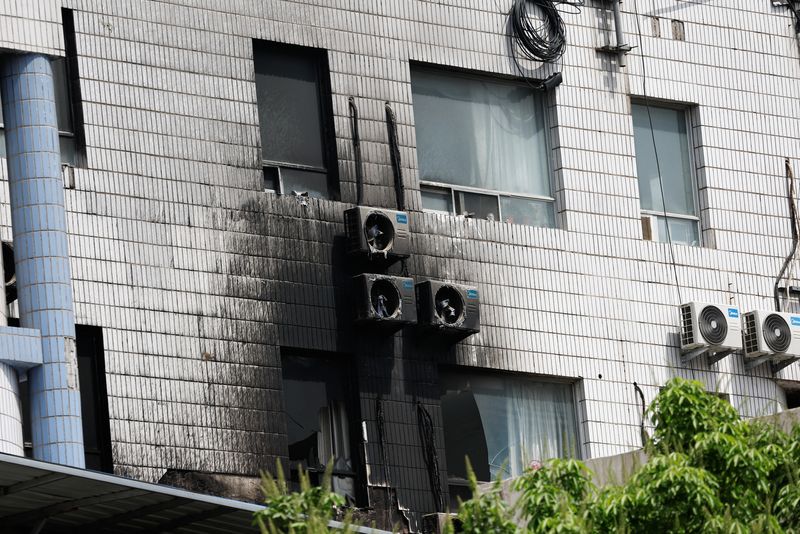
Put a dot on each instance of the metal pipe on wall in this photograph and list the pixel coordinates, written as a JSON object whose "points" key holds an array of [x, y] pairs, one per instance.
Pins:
{"points": [[41, 254], [620, 35]]}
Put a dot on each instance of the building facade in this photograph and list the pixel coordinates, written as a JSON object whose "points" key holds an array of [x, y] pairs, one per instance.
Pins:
{"points": [[209, 160]]}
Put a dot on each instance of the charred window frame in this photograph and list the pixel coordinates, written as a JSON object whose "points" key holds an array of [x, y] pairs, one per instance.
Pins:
{"points": [[322, 408], [69, 113], [484, 412], [295, 108]]}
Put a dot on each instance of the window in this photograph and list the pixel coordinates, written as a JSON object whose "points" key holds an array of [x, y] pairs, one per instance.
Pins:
{"points": [[482, 147], [67, 95], [320, 402], [671, 132], [66, 132], [502, 423], [792, 392], [94, 400], [294, 111]]}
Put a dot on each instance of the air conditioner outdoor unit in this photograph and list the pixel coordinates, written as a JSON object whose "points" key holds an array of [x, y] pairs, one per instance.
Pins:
{"points": [[385, 301], [451, 309], [769, 333], [377, 232], [713, 328]]}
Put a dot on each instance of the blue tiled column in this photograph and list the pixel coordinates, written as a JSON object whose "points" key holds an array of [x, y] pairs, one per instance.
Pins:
{"points": [[40, 254]]}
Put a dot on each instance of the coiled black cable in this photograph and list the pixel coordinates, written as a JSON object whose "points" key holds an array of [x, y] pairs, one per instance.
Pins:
{"points": [[541, 34]]}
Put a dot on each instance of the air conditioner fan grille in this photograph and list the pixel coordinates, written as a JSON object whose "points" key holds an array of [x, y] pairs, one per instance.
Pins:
{"points": [[713, 325], [449, 305], [777, 335], [379, 231]]}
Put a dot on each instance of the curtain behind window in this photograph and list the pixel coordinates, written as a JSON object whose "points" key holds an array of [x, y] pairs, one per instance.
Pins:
{"points": [[481, 133], [520, 421]]}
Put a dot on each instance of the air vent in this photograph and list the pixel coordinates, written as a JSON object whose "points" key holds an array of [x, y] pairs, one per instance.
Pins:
{"points": [[776, 333], [450, 309], [377, 233], [385, 301], [713, 325], [750, 333], [687, 330]]}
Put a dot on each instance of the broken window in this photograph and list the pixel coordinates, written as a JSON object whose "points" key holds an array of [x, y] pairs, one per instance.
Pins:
{"points": [[320, 403], [294, 112], [503, 423]]}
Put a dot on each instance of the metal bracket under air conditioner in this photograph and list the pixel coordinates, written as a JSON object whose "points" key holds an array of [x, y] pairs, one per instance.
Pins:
{"points": [[712, 356], [779, 366]]}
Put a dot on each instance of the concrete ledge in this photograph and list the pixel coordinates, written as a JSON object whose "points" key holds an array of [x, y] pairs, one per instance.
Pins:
{"points": [[20, 348]]}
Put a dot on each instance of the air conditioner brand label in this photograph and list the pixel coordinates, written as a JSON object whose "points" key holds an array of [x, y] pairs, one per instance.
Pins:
{"points": [[408, 284], [402, 218], [795, 320], [472, 293], [733, 313]]}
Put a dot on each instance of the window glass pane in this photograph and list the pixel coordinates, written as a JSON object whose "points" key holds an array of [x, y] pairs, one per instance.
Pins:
{"points": [[313, 183], [682, 231], [60, 83], [437, 199], [672, 140], [526, 211], [67, 147], [289, 108], [2, 143], [478, 132], [316, 397], [503, 423], [477, 205], [272, 178]]}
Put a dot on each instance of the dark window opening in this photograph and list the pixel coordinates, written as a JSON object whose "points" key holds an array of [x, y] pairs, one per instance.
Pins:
{"points": [[322, 418], [503, 423], [295, 115], [72, 84], [94, 400], [792, 398]]}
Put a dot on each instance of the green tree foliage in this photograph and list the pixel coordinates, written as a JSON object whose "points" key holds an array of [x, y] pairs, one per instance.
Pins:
{"points": [[708, 472], [308, 511]]}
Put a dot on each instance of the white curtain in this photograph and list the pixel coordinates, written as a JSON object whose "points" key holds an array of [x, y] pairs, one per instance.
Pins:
{"points": [[524, 421], [541, 423], [478, 132]]}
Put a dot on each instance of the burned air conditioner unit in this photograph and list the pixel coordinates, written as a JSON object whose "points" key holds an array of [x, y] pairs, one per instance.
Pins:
{"points": [[771, 336], [710, 329], [384, 301], [377, 233], [453, 310]]}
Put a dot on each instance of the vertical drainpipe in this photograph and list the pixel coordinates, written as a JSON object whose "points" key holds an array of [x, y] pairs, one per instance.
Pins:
{"points": [[41, 257], [618, 30], [10, 416]]}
